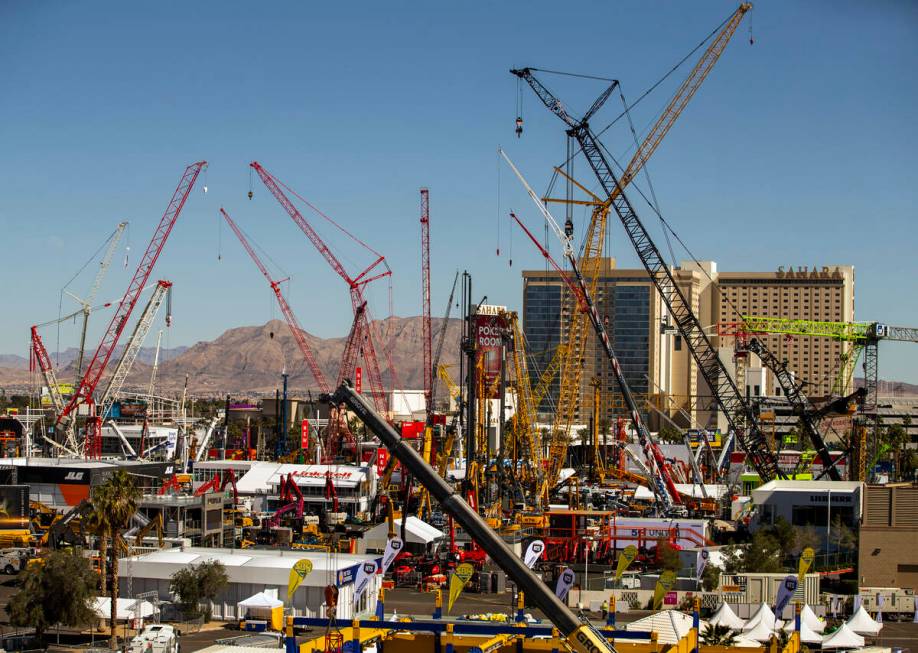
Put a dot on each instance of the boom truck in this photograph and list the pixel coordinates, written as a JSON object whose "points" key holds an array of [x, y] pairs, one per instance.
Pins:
{"points": [[581, 637]]}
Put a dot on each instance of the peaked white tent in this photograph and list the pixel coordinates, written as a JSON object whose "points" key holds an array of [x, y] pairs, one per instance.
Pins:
{"points": [[725, 616], [265, 600], [844, 637], [861, 622], [670, 625], [763, 614], [761, 632], [808, 617], [807, 634], [127, 608]]}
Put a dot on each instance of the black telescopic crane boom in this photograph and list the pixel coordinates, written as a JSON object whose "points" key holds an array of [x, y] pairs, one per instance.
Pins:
{"points": [[739, 414], [582, 637]]}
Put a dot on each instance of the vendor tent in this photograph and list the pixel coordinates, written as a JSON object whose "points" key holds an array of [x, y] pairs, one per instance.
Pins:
{"points": [[127, 608], [809, 617], [844, 637], [264, 600], [863, 624], [764, 615], [761, 632], [725, 616], [670, 625], [807, 634]]}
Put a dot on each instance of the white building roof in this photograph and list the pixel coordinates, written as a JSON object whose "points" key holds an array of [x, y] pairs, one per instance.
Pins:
{"points": [[256, 566]]}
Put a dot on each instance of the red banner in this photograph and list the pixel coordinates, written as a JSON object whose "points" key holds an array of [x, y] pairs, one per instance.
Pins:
{"points": [[382, 459], [358, 380], [304, 434], [489, 329]]}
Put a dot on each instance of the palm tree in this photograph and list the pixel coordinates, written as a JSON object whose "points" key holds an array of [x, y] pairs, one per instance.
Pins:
{"points": [[121, 497], [97, 523], [718, 635]]}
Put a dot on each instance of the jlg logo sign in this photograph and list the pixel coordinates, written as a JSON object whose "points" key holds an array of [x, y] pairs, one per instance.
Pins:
{"points": [[74, 476]]}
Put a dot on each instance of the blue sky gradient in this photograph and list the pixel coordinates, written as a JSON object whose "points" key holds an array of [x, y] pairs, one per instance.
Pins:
{"points": [[799, 149]]}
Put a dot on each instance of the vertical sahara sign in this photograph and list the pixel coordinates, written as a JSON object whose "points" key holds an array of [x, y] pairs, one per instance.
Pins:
{"points": [[490, 326]]}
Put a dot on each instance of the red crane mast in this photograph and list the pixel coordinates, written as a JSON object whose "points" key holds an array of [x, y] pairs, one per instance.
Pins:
{"points": [[355, 284], [292, 322], [426, 342], [106, 347]]}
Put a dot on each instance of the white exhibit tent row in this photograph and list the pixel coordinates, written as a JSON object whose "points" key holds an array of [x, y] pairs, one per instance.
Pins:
{"points": [[844, 637], [807, 634], [725, 616], [763, 614], [862, 623], [127, 608]]}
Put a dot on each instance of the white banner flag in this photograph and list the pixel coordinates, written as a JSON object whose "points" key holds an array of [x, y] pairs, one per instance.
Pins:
{"points": [[565, 583], [366, 571], [533, 553], [393, 548], [701, 562]]}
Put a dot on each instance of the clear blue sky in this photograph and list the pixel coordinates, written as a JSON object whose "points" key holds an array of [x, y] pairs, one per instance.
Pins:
{"points": [[800, 149]]}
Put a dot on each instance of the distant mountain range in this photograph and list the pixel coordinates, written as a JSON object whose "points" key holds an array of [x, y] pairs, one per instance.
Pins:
{"points": [[249, 360]]}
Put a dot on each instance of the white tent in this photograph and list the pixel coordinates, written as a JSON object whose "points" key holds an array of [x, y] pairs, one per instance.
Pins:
{"points": [[844, 637], [808, 617], [670, 625], [264, 600], [807, 634], [725, 616], [764, 615], [861, 622], [417, 531], [127, 608], [761, 632]]}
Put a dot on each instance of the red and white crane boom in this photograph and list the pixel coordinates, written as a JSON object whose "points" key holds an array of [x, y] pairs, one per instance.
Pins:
{"points": [[106, 348], [295, 328]]}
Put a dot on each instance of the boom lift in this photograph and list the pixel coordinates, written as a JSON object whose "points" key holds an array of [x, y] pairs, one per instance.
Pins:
{"points": [[738, 413], [95, 370], [582, 638]]}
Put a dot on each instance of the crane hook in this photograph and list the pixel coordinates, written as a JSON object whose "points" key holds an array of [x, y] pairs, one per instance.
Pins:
{"points": [[519, 126], [251, 194]]}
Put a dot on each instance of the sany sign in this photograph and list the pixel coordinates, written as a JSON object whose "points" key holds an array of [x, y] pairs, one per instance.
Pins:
{"points": [[304, 434]]}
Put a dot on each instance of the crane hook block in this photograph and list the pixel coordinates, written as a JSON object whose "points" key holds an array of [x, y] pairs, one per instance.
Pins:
{"points": [[519, 126], [251, 194]]}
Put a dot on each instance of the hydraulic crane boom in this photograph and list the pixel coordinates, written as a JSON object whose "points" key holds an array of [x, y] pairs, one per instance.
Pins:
{"points": [[41, 357], [582, 637], [355, 284], [727, 395], [426, 336], [106, 348], [87, 301], [126, 362], [295, 329], [441, 338]]}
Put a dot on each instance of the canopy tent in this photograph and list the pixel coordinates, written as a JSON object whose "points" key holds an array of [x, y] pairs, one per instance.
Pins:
{"points": [[862, 623], [844, 637], [127, 608], [417, 531], [761, 632], [808, 617], [725, 616], [264, 600], [670, 625], [763, 614], [807, 634]]}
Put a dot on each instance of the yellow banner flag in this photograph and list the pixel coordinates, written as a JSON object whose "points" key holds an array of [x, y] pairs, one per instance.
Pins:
{"points": [[458, 581], [299, 571], [664, 585], [625, 558], [806, 561]]}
